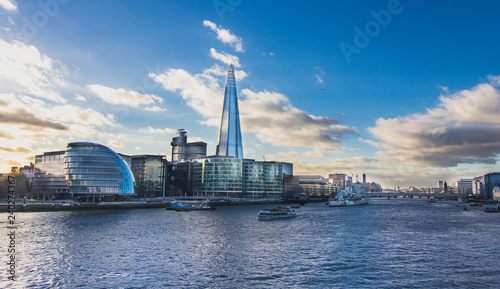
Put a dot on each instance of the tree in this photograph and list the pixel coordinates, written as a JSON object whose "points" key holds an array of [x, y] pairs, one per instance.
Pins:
{"points": [[21, 187]]}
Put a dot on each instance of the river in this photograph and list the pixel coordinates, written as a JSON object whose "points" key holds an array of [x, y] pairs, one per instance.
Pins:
{"points": [[398, 243]]}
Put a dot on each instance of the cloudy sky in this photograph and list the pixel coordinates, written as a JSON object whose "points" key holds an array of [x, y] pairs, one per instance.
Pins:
{"points": [[407, 92]]}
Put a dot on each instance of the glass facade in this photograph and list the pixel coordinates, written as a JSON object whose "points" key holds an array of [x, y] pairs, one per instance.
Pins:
{"points": [[49, 174], [148, 174], [95, 169], [237, 178], [491, 180], [229, 143]]}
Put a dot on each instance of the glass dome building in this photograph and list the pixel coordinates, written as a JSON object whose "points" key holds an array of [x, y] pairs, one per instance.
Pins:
{"points": [[94, 169]]}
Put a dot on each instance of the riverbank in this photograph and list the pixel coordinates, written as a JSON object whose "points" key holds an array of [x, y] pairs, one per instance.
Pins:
{"points": [[56, 207]]}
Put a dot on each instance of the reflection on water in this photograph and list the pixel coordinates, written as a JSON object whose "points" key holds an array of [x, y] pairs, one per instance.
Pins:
{"points": [[390, 243]]}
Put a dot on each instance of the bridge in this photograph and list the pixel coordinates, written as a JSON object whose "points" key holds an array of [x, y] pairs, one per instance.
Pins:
{"points": [[440, 196]]}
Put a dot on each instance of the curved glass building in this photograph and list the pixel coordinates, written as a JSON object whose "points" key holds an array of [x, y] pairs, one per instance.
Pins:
{"points": [[94, 169]]}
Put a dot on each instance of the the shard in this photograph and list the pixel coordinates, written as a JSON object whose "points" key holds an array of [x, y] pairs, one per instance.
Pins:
{"points": [[229, 143]]}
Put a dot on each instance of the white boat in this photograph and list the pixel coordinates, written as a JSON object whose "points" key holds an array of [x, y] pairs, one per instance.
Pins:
{"points": [[349, 197], [490, 209], [276, 213]]}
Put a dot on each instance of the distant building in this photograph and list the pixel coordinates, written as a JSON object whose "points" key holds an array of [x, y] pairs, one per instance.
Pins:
{"points": [[149, 173], [463, 186], [338, 179], [477, 186], [184, 151], [316, 186]]}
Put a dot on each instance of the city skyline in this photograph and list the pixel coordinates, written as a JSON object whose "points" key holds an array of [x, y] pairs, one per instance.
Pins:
{"points": [[406, 92]]}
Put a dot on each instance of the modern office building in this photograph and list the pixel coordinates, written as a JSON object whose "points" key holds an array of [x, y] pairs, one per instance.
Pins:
{"points": [[230, 143], [179, 179], [148, 171], [48, 176], [184, 151], [491, 181], [484, 186], [85, 171], [231, 177]]}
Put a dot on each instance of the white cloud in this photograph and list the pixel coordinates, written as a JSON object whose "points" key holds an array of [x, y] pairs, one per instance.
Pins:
{"points": [[124, 96], [39, 123], [8, 5], [159, 130], [115, 143], [270, 116], [23, 69], [240, 74], [202, 91], [225, 57], [195, 139], [275, 120], [155, 109], [319, 79], [225, 36], [463, 128], [80, 97]]}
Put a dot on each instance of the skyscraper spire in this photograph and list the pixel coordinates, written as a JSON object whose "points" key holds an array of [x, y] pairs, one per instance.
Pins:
{"points": [[229, 143]]}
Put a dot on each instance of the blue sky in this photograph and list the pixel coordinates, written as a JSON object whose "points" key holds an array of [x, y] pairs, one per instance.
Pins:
{"points": [[404, 91]]}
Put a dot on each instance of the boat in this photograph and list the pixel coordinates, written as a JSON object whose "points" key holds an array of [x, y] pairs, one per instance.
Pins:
{"points": [[490, 209], [183, 206], [349, 197], [463, 200], [431, 200], [276, 213]]}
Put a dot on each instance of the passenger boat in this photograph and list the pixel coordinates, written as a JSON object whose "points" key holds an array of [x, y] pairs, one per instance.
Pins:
{"points": [[276, 213], [490, 209], [182, 206], [349, 197]]}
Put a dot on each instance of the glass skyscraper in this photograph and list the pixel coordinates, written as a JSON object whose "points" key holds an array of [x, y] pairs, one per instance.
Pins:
{"points": [[229, 143]]}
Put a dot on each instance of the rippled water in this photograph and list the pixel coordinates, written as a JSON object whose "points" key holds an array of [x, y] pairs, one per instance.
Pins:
{"points": [[387, 244]]}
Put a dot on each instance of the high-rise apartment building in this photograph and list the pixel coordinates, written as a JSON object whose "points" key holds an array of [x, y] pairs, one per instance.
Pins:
{"points": [[229, 143]]}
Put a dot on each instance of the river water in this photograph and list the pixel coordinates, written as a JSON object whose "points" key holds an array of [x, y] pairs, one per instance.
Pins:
{"points": [[401, 243]]}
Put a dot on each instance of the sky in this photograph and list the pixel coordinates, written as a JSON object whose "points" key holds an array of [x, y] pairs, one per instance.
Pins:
{"points": [[406, 92]]}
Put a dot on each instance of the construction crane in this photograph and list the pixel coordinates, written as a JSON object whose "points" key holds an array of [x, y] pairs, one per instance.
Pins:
{"points": [[353, 175]]}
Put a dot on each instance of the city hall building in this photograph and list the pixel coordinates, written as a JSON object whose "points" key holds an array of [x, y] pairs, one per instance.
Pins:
{"points": [[84, 171]]}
